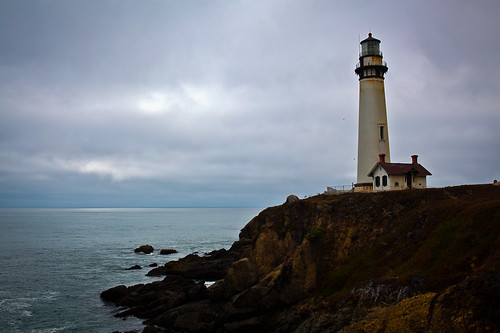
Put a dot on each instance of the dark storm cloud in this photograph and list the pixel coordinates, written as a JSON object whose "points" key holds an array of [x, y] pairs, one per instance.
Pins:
{"points": [[126, 103]]}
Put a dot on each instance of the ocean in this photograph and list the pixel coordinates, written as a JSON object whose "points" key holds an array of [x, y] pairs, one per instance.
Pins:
{"points": [[54, 263]]}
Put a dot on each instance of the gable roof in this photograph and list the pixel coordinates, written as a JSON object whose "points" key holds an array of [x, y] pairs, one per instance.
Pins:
{"points": [[401, 169]]}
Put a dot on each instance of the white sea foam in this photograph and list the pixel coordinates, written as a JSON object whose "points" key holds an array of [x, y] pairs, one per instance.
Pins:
{"points": [[26, 313], [14, 305], [54, 329], [19, 305]]}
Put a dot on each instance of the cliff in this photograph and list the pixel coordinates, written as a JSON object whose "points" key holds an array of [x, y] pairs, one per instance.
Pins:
{"points": [[415, 260]]}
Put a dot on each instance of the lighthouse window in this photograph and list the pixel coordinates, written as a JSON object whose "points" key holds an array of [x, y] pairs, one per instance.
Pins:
{"points": [[384, 180], [370, 48], [381, 129], [377, 181]]}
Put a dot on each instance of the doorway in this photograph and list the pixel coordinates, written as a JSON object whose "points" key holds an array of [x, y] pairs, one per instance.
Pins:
{"points": [[408, 179]]}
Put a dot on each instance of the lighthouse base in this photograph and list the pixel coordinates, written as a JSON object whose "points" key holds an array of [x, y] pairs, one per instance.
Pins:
{"points": [[363, 187]]}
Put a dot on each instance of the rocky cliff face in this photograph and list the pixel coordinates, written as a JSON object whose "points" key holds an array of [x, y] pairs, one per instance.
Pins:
{"points": [[418, 260]]}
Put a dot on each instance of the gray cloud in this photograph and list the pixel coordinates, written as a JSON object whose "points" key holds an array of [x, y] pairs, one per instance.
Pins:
{"points": [[126, 103]]}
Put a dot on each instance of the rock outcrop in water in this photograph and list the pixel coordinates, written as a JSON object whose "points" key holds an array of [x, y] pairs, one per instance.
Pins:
{"points": [[416, 260], [147, 249], [167, 251], [134, 267], [211, 266]]}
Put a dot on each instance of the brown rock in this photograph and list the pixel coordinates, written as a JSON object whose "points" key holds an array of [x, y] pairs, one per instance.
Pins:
{"points": [[134, 267], [152, 329], [241, 275], [291, 199], [211, 266], [147, 249], [167, 251], [115, 293]]}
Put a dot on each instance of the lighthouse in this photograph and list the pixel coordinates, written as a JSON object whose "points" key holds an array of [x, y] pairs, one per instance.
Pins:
{"points": [[373, 134]]}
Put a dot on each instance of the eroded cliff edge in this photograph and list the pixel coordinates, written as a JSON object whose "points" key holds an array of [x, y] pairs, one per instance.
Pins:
{"points": [[416, 260]]}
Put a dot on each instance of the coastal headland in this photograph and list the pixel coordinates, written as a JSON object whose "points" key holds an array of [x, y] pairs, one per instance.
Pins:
{"points": [[416, 260]]}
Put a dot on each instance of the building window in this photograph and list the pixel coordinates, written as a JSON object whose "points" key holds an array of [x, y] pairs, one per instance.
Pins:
{"points": [[384, 181], [381, 130], [396, 184], [377, 181]]}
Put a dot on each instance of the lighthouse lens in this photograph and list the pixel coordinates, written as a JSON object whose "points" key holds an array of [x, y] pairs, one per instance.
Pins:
{"points": [[370, 48]]}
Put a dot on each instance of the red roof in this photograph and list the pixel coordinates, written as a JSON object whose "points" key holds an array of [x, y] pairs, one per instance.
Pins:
{"points": [[401, 169]]}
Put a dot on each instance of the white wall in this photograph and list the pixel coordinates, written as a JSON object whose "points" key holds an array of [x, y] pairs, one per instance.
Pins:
{"points": [[379, 172], [418, 182], [372, 115]]}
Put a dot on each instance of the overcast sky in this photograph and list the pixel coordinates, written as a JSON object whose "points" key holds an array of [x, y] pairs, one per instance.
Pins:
{"points": [[132, 103]]}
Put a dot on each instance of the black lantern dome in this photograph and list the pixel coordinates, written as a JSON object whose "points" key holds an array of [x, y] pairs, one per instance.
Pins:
{"points": [[370, 63]]}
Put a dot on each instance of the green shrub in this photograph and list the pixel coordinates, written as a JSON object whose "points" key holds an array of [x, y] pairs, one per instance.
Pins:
{"points": [[315, 232]]}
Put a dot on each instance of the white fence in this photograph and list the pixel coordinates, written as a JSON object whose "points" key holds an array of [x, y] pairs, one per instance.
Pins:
{"points": [[338, 189]]}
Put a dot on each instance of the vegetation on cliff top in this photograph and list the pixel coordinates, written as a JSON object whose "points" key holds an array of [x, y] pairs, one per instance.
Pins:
{"points": [[439, 242]]}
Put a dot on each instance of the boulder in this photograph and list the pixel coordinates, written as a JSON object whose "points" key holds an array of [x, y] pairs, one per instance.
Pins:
{"points": [[134, 267], [152, 329], [195, 267], [150, 300], [241, 275], [147, 249], [212, 266], [168, 251], [115, 293], [292, 198]]}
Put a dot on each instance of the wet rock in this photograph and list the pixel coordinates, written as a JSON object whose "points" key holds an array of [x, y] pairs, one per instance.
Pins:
{"points": [[195, 267], [152, 299], [168, 251], [152, 329], [134, 267], [147, 249], [115, 293], [153, 265], [211, 266]]}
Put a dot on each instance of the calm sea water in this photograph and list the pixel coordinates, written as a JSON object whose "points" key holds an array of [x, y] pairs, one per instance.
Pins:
{"points": [[55, 262]]}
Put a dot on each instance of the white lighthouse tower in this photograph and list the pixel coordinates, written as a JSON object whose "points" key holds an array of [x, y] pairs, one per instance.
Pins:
{"points": [[373, 135]]}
